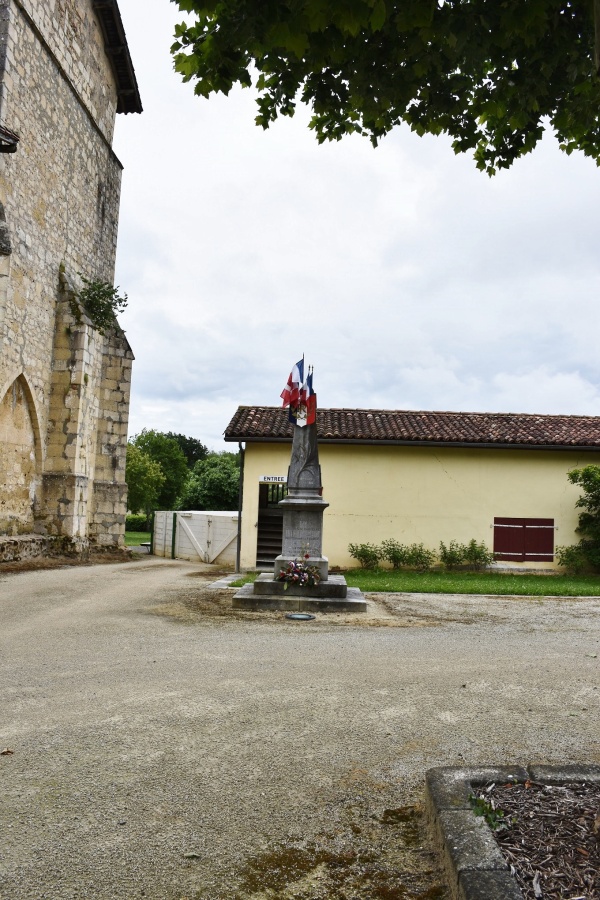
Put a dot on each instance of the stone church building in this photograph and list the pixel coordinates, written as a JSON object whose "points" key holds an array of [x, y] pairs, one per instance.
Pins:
{"points": [[65, 71]]}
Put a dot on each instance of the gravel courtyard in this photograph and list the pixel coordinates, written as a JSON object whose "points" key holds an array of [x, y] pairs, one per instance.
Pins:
{"points": [[157, 744]]}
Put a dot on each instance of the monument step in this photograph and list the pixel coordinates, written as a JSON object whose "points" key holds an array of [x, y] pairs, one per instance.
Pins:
{"points": [[335, 587], [245, 598]]}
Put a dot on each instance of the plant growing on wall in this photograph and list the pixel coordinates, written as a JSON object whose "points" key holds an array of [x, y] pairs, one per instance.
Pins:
{"points": [[101, 302]]}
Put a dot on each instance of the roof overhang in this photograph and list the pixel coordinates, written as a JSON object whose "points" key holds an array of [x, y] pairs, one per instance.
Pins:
{"points": [[460, 445], [117, 51], [8, 140]]}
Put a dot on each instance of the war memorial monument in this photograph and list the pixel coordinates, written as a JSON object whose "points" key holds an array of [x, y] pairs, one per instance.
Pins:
{"points": [[301, 581]]}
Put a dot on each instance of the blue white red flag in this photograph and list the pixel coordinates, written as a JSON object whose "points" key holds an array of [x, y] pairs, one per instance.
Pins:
{"points": [[300, 397], [311, 400], [295, 383]]}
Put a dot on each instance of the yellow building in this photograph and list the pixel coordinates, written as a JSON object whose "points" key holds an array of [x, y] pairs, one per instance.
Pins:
{"points": [[421, 477]]}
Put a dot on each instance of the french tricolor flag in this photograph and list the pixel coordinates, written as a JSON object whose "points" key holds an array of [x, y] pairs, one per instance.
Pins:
{"points": [[295, 385], [311, 399], [300, 397]]}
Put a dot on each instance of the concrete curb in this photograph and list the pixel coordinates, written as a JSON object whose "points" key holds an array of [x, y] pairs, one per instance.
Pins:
{"points": [[474, 865], [225, 580]]}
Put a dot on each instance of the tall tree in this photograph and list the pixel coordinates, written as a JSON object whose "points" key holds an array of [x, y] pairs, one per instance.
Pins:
{"points": [[491, 74], [144, 477], [588, 480], [193, 449], [167, 452], [214, 483]]}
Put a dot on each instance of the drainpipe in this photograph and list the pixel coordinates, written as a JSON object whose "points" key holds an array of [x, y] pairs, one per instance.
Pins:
{"points": [[240, 497]]}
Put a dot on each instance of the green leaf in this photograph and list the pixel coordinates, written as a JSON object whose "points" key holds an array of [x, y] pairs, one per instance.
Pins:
{"points": [[378, 15]]}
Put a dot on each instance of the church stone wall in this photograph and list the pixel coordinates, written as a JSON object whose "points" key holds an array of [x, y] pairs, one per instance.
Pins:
{"points": [[59, 194]]}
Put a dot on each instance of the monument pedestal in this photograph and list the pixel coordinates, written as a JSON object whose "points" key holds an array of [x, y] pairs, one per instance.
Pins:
{"points": [[332, 595], [303, 510], [303, 531]]}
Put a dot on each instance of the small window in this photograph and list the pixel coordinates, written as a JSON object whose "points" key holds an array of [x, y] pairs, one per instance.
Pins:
{"points": [[524, 540]]}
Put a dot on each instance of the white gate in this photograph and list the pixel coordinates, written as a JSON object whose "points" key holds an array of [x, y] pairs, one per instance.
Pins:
{"points": [[209, 537]]}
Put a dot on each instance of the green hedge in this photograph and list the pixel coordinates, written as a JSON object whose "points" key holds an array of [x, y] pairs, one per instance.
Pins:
{"points": [[136, 523]]}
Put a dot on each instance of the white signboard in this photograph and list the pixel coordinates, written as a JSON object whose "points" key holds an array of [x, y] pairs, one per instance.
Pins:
{"points": [[272, 479]]}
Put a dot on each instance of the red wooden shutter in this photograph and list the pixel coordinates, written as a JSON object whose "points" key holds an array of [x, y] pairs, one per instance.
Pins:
{"points": [[522, 540]]}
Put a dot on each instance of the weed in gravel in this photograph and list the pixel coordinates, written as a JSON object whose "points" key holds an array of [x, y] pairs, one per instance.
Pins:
{"points": [[495, 818]]}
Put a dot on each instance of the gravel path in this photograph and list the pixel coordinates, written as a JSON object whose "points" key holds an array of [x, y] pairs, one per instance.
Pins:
{"points": [[165, 746]]}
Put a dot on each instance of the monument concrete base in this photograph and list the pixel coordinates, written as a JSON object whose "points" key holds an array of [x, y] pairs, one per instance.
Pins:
{"points": [[332, 595]]}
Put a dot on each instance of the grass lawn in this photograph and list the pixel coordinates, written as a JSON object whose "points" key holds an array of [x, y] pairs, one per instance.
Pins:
{"points": [[244, 579], [474, 583], [135, 538]]}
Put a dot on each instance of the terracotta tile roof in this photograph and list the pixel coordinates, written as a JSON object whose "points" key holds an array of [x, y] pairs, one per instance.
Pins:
{"points": [[265, 423]]}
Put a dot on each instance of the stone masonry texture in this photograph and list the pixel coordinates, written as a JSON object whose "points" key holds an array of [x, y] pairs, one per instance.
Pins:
{"points": [[64, 386]]}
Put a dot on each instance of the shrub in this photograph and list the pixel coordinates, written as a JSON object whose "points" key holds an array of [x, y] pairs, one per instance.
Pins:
{"points": [[453, 555], [394, 553], [420, 558], [368, 555], [136, 523], [414, 556], [472, 555], [477, 556], [573, 559]]}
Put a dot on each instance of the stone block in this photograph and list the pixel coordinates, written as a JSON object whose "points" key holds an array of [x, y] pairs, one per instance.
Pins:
{"points": [[334, 588], [350, 604], [468, 842], [449, 787], [488, 886], [247, 600], [302, 527], [565, 773]]}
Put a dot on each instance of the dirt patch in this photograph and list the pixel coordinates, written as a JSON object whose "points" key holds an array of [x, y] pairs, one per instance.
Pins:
{"points": [[205, 603], [202, 603], [386, 858], [61, 562]]}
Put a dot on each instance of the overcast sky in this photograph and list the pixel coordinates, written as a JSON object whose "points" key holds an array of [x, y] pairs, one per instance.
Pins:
{"points": [[409, 279]]}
